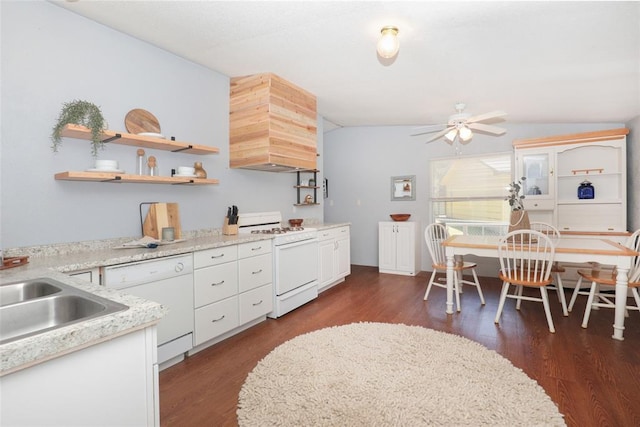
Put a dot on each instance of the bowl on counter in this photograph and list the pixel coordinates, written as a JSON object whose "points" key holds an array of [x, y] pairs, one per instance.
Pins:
{"points": [[295, 222], [400, 217]]}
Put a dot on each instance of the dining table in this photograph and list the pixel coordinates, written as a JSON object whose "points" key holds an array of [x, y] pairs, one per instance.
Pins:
{"points": [[567, 249]]}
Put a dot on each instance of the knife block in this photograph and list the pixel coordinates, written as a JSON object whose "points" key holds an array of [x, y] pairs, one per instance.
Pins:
{"points": [[229, 229]]}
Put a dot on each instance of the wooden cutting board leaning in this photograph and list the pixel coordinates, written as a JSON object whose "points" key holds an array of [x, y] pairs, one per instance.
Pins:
{"points": [[162, 215], [139, 121]]}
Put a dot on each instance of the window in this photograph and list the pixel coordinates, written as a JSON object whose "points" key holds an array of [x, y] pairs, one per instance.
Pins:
{"points": [[467, 193]]}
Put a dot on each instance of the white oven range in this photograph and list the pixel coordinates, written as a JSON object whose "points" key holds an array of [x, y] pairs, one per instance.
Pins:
{"points": [[295, 260]]}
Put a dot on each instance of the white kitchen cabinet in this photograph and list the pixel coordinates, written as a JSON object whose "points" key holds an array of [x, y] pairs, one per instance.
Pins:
{"points": [[232, 288], [556, 166], [114, 383], [255, 270], [398, 248], [215, 292], [334, 256]]}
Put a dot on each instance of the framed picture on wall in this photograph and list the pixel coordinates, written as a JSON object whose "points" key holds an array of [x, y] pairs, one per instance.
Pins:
{"points": [[403, 187]]}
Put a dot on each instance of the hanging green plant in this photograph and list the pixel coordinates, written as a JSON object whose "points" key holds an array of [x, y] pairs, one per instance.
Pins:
{"points": [[83, 113]]}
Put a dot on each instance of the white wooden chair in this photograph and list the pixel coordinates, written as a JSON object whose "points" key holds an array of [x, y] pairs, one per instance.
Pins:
{"points": [[598, 299], [434, 235], [526, 258], [556, 269]]}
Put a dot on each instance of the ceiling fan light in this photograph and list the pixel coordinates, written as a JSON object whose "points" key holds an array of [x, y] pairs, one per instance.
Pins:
{"points": [[388, 44], [465, 134], [451, 135]]}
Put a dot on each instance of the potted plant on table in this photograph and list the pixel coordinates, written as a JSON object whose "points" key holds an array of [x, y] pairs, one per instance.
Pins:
{"points": [[519, 219], [83, 113]]}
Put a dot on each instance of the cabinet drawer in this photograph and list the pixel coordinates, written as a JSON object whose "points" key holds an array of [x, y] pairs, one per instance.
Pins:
{"points": [[256, 303], [215, 256], [539, 204], [332, 233], [325, 234], [215, 283], [590, 217], [215, 319], [254, 248], [254, 272]]}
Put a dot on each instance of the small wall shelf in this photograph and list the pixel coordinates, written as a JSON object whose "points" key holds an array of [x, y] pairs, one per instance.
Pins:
{"points": [[133, 140], [301, 188]]}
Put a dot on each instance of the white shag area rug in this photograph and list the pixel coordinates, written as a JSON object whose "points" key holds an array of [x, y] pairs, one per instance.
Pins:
{"points": [[379, 374]]}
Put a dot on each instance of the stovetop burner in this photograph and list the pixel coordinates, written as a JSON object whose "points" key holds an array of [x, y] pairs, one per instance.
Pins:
{"points": [[277, 230]]}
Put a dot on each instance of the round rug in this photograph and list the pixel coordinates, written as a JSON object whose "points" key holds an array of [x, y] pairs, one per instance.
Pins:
{"points": [[379, 374]]}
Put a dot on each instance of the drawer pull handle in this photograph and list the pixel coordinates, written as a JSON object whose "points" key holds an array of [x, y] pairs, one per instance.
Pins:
{"points": [[217, 320], [257, 272], [217, 256], [257, 303], [217, 284], [256, 249]]}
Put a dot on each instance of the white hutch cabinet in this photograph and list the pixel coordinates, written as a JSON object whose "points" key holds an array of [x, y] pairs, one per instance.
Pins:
{"points": [[555, 167], [398, 248]]}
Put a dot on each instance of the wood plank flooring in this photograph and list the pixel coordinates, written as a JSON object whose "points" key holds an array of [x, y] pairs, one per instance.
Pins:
{"points": [[594, 380]]}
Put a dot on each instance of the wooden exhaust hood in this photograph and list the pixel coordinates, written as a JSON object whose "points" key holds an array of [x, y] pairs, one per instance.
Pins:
{"points": [[272, 124]]}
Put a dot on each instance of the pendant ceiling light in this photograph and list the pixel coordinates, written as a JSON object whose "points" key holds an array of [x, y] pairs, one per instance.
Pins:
{"points": [[388, 44]]}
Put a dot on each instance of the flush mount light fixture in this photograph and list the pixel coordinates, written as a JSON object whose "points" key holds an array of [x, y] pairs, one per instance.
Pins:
{"points": [[388, 44]]}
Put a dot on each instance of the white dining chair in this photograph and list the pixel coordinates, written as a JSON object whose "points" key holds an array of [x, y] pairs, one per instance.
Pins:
{"points": [[434, 235], [556, 269], [526, 258], [597, 298]]}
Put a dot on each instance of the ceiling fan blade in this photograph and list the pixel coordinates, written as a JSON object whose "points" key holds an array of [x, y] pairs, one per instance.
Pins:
{"points": [[438, 135], [427, 129], [487, 128], [486, 116]]}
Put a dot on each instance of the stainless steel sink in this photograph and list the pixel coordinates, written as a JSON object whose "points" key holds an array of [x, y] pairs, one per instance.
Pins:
{"points": [[41, 305], [22, 291]]}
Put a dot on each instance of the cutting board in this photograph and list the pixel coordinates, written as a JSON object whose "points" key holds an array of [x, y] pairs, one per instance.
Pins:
{"points": [[162, 215], [138, 121]]}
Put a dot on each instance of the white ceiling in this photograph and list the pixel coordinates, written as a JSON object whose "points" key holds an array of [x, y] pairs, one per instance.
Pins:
{"points": [[542, 62]]}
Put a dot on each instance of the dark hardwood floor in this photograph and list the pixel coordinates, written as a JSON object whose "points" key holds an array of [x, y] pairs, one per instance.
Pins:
{"points": [[594, 380]]}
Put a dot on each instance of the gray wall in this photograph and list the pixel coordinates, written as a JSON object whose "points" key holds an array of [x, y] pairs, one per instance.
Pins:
{"points": [[633, 174], [359, 162], [51, 56]]}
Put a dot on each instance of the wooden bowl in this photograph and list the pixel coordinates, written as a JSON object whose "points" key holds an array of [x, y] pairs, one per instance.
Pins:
{"points": [[400, 217], [295, 222]]}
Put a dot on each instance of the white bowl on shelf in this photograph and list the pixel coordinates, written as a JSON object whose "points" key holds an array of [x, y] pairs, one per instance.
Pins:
{"points": [[186, 171], [106, 164]]}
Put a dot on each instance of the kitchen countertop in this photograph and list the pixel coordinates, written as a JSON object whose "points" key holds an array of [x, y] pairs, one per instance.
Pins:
{"points": [[55, 260]]}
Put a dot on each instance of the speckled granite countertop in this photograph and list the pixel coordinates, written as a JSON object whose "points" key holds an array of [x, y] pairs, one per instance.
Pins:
{"points": [[55, 260]]}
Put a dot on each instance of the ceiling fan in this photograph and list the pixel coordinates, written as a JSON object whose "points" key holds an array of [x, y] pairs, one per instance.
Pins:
{"points": [[461, 125]]}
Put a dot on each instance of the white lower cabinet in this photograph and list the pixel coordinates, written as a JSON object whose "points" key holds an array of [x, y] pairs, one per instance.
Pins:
{"points": [[215, 292], [255, 303], [334, 256], [255, 269], [398, 248], [232, 288], [215, 319], [114, 383]]}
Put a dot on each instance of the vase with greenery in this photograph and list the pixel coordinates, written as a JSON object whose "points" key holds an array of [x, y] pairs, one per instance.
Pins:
{"points": [[519, 219], [514, 197], [83, 113]]}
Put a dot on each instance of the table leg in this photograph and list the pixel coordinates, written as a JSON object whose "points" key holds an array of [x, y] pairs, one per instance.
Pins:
{"points": [[450, 274], [621, 302]]}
